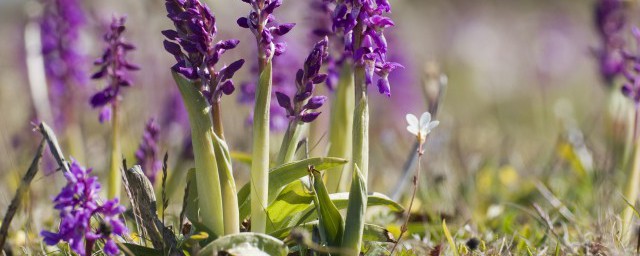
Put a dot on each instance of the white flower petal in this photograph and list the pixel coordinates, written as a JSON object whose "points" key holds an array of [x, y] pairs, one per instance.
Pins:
{"points": [[412, 120], [425, 119], [413, 130], [433, 124]]}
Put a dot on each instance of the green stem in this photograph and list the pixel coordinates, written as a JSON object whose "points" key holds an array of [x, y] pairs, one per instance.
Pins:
{"points": [[361, 124], [202, 137], [227, 182], [352, 239], [289, 143], [216, 116], [631, 190], [115, 181], [260, 163], [340, 130]]}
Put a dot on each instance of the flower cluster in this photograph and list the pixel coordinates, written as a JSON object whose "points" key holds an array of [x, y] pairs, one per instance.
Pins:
{"points": [[60, 27], [631, 70], [306, 79], [610, 21], [193, 45], [321, 20], [78, 203], [362, 23], [115, 67], [264, 26], [147, 153]]}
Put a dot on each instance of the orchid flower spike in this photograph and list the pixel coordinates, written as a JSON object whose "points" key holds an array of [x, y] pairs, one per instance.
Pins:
{"points": [[421, 128]]}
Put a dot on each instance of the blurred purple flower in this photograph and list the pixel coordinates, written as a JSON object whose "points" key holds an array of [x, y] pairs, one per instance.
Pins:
{"points": [[194, 47], [174, 111], [321, 23], [147, 153], [60, 26], [261, 16], [114, 67], [371, 51], [631, 70], [77, 203], [303, 105], [610, 21]]}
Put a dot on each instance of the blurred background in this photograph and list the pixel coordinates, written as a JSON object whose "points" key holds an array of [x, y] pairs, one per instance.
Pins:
{"points": [[519, 74]]}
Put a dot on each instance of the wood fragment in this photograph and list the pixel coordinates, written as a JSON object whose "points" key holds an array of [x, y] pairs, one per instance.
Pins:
{"points": [[144, 200]]}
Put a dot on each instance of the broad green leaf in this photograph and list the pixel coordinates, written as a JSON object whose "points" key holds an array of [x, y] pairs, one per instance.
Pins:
{"points": [[202, 137], [331, 224], [341, 201], [283, 175], [293, 199], [294, 205], [354, 223], [246, 244], [138, 250], [372, 233]]}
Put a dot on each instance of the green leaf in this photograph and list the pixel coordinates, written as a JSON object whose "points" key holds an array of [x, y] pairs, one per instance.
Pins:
{"points": [[331, 224], [340, 130], [293, 199], [259, 181], [202, 136], [228, 187], [138, 250], [246, 244], [447, 234], [294, 205], [199, 227], [199, 237], [192, 211], [283, 175], [371, 233], [354, 223]]}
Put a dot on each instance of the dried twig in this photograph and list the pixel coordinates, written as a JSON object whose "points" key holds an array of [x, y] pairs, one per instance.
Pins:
{"points": [[144, 199], [54, 147], [22, 189]]}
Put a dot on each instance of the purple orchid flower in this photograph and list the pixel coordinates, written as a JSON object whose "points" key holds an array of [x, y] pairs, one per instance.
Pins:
{"points": [[78, 202], [193, 45], [113, 66]]}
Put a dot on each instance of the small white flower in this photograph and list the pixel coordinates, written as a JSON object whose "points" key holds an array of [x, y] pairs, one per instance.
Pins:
{"points": [[421, 128]]}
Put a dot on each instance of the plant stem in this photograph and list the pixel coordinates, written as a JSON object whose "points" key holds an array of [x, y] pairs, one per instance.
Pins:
{"points": [[260, 164], [115, 181], [631, 190], [416, 181], [289, 143], [361, 124], [216, 116], [227, 182], [352, 239], [340, 130]]}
